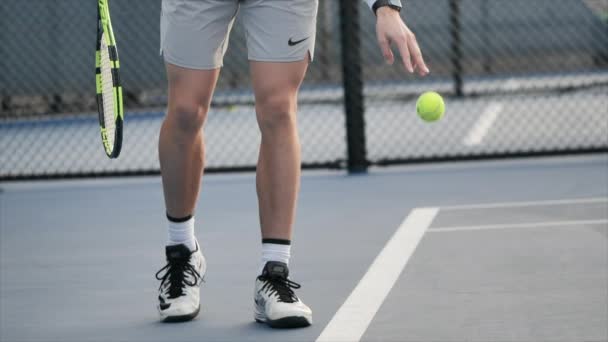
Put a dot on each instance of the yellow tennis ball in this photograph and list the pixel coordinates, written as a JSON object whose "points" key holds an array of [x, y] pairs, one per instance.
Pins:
{"points": [[430, 106]]}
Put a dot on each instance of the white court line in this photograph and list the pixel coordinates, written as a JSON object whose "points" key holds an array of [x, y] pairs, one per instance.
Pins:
{"points": [[517, 226], [483, 124], [510, 84], [355, 315], [526, 204]]}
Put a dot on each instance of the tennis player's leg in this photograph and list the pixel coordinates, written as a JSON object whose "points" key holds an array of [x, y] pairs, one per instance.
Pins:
{"points": [[276, 87], [181, 144], [194, 37], [280, 40], [278, 181]]}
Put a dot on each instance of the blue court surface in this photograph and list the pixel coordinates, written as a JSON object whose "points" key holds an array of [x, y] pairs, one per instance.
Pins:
{"points": [[512, 250]]}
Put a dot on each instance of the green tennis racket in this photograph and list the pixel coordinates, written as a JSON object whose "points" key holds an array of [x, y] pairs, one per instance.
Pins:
{"points": [[109, 89]]}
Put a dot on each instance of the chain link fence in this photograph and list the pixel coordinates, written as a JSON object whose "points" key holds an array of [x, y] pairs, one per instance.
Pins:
{"points": [[519, 77]]}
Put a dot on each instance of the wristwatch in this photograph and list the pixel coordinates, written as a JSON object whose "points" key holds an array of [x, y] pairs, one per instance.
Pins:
{"points": [[394, 4]]}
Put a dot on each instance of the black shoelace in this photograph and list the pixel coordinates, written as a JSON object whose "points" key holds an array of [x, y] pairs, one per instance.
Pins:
{"points": [[176, 271], [282, 287]]}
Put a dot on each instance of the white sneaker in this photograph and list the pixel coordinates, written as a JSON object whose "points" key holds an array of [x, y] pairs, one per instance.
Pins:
{"points": [[275, 302], [179, 291]]}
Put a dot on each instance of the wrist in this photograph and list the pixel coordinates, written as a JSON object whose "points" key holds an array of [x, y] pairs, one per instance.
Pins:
{"points": [[392, 5], [386, 11]]}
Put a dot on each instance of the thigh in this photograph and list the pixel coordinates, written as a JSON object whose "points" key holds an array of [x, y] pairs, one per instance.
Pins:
{"points": [[194, 33], [280, 30], [277, 79], [190, 88]]}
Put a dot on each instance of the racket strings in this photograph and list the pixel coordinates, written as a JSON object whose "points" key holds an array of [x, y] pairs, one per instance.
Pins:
{"points": [[108, 93]]}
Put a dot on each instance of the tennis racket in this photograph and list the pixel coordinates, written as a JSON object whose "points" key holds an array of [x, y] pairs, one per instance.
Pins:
{"points": [[109, 89]]}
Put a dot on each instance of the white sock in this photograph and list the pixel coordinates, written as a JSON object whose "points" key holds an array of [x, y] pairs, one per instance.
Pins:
{"points": [[275, 252], [182, 233]]}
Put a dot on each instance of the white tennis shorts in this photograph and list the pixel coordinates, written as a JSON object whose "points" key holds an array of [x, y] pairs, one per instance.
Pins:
{"points": [[194, 33]]}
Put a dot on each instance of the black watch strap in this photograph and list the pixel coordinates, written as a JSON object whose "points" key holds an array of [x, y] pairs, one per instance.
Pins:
{"points": [[383, 3]]}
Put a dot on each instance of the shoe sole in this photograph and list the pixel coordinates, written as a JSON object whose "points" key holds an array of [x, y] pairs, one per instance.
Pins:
{"points": [[286, 322], [182, 318]]}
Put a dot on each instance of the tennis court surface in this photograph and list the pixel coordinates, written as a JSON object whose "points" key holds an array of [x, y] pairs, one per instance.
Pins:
{"points": [[483, 251]]}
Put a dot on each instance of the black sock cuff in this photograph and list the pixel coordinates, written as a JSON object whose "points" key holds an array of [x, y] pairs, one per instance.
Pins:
{"points": [[178, 220], [277, 241]]}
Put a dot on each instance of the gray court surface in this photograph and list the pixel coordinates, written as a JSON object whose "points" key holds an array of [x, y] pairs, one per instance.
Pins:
{"points": [[517, 252]]}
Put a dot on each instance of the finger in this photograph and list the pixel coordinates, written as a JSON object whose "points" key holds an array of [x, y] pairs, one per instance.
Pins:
{"points": [[405, 54], [417, 57], [385, 46]]}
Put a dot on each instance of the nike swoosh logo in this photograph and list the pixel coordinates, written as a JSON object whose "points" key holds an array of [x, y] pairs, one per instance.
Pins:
{"points": [[164, 306], [259, 302], [292, 43]]}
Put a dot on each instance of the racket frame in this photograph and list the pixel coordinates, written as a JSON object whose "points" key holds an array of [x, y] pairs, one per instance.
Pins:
{"points": [[104, 25]]}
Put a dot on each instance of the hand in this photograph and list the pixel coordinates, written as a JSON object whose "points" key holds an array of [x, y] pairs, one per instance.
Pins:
{"points": [[390, 29]]}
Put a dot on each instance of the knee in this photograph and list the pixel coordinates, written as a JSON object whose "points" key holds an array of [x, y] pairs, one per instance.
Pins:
{"points": [[188, 117], [276, 113]]}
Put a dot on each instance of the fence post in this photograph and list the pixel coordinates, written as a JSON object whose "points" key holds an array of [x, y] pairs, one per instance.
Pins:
{"points": [[352, 77], [456, 47], [4, 98], [486, 31]]}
